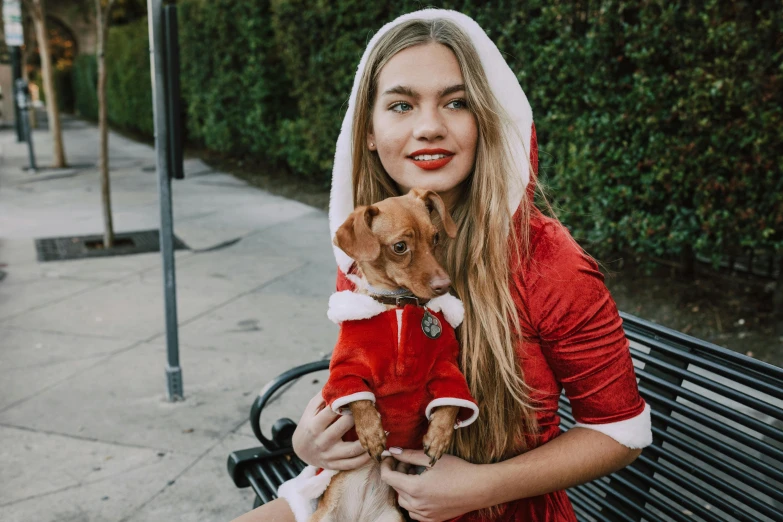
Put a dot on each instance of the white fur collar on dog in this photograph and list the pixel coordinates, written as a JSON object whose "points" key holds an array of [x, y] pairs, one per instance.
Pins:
{"points": [[505, 87], [350, 306]]}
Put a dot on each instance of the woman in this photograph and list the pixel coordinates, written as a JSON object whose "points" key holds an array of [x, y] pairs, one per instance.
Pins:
{"points": [[434, 105]]}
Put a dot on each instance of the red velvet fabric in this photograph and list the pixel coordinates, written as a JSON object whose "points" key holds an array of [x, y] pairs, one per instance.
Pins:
{"points": [[572, 340], [404, 377]]}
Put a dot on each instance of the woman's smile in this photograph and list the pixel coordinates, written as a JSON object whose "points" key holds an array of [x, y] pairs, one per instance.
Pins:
{"points": [[431, 159]]}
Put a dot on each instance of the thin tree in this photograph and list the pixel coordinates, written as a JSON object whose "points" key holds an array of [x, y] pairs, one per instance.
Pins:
{"points": [[38, 13], [103, 21]]}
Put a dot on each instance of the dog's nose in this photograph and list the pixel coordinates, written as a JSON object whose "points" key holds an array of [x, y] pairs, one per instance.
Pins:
{"points": [[440, 285]]}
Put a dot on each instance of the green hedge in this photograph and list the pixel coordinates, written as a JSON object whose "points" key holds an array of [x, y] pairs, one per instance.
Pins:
{"points": [[85, 79], [128, 92], [234, 85], [659, 122], [671, 150], [128, 84]]}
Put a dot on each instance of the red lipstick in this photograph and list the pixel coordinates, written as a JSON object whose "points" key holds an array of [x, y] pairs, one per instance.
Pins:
{"points": [[432, 164]]}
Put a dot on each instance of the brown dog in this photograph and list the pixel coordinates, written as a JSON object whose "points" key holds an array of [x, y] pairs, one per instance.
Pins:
{"points": [[393, 243]]}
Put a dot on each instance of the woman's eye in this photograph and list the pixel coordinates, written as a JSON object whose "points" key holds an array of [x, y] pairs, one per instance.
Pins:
{"points": [[436, 238], [457, 104], [401, 107], [400, 248]]}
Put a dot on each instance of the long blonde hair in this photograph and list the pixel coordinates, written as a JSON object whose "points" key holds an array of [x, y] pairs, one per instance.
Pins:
{"points": [[479, 259]]}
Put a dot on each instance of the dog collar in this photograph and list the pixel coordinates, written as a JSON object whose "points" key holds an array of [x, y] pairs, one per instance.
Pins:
{"points": [[399, 300]]}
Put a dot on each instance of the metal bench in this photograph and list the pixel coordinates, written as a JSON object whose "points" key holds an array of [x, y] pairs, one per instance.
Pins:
{"points": [[717, 451]]}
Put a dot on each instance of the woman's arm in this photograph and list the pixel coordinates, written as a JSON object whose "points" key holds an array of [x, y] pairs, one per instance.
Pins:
{"points": [[453, 486]]}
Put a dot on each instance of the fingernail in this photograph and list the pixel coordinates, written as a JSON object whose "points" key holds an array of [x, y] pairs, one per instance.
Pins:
{"points": [[395, 450], [386, 432]]}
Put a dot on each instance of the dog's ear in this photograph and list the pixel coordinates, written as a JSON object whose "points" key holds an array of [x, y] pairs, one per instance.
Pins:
{"points": [[433, 202], [355, 237]]}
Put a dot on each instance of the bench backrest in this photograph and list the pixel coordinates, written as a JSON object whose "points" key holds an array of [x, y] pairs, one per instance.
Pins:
{"points": [[717, 450]]}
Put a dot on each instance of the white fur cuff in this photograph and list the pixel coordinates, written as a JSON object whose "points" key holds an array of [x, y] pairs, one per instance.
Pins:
{"points": [[452, 401], [452, 308], [303, 491], [633, 433], [339, 403], [350, 306]]}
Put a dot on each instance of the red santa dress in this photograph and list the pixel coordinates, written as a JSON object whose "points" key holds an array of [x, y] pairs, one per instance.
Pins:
{"points": [[386, 357]]}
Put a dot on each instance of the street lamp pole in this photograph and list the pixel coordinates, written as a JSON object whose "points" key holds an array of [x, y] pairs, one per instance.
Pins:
{"points": [[162, 147]]}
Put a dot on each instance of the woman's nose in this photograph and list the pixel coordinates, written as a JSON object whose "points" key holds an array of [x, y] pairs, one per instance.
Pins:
{"points": [[429, 125]]}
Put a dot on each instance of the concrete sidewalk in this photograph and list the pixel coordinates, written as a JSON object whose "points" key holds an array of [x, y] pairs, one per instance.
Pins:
{"points": [[85, 431]]}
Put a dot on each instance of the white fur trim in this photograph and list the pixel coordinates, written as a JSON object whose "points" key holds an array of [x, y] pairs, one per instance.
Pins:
{"points": [[350, 306], [452, 308], [338, 403], [303, 491], [504, 86], [452, 401], [634, 433]]}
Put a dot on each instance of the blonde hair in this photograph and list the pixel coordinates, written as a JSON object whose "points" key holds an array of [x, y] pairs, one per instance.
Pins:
{"points": [[479, 259]]}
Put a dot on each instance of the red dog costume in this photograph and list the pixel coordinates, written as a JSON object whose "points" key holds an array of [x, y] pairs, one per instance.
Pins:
{"points": [[384, 356]]}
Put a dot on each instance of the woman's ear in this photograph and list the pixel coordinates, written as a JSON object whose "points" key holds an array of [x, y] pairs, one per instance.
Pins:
{"points": [[371, 139]]}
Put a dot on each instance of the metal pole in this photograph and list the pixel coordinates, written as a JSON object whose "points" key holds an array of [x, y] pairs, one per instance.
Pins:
{"points": [[29, 135], [16, 73], [157, 66], [23, 103]]}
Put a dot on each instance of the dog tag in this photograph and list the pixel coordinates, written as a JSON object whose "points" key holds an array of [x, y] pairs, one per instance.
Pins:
{"points": [[430, 325]]}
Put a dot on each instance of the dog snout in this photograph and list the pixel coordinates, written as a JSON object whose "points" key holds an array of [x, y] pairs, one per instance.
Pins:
{"points": [[440, 284]]}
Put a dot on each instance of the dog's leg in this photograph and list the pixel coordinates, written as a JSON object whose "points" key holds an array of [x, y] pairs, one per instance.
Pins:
{"points": [[369, 428], [441, 430]]}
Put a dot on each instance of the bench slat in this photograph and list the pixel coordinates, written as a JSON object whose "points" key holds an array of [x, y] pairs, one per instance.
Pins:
{"points": [[694, 470], [704, 420], [738, 417], [744, 399], [644, 330], [702, 493], [583, 494], [719, 446], [761, 383], [716, 463]]}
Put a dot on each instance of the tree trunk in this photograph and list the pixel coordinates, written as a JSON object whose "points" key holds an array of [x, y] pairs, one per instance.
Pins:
{"points": [[102, 23], [53, 113]]}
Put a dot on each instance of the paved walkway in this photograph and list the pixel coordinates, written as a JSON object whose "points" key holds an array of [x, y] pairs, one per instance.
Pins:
{"points": [[85, 431]]}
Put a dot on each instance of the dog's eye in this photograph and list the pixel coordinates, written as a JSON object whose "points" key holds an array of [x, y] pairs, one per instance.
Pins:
{"points": [[436, 238], [400, 248]]}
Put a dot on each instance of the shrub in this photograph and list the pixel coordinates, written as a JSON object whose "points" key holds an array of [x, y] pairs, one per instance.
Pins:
{"points": [[85, 80], [128, 91], [233, 83], [128, 84], [659, 123]]}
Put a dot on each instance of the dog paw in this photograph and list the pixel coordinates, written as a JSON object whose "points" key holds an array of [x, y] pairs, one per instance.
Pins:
{"points": [[369, 428], [440, 432]]}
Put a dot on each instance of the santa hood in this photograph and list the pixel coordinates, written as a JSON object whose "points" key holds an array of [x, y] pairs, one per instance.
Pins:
{"points": [[519, 131]]}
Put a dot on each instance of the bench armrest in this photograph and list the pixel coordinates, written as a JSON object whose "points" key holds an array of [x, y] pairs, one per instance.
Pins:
{"points": [[283, 429]]}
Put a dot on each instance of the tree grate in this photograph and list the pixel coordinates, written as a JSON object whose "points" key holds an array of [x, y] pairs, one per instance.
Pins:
{"points": [[83, 247]]}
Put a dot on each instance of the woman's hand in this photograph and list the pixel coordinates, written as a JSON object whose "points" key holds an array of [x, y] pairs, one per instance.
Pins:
{"points": [[450, 488], [318, 438]]}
